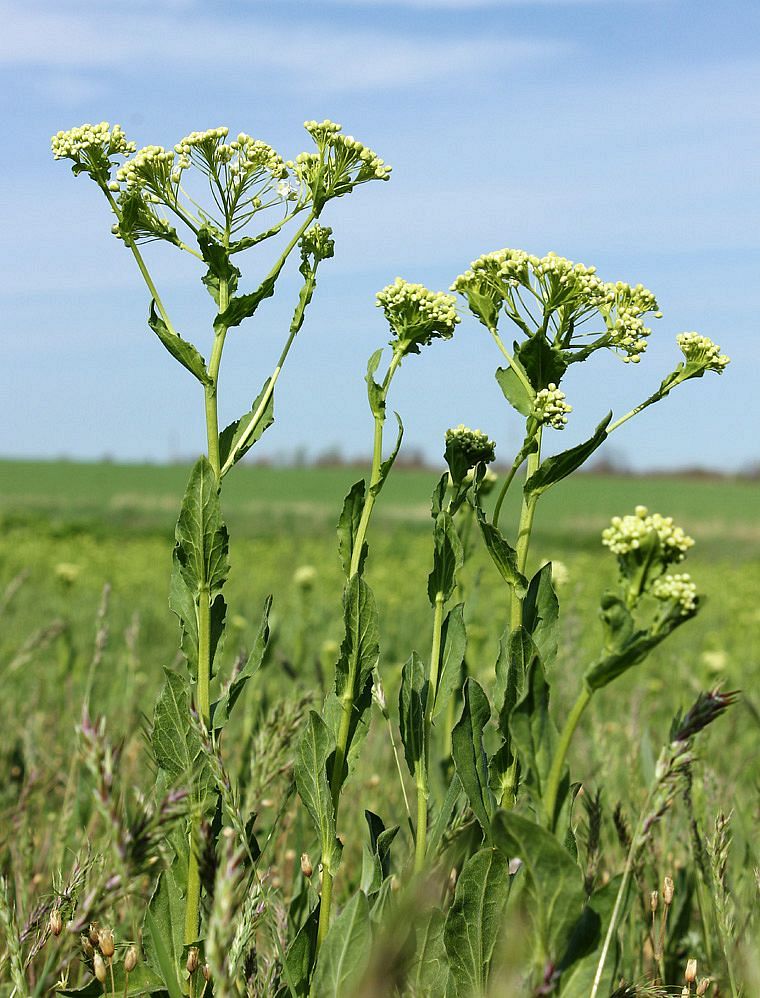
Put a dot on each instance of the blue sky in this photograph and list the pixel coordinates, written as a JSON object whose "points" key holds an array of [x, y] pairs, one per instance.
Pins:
{"points": [[622, 133]]}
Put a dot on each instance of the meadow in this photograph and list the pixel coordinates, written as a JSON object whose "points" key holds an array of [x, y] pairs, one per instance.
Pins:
{"points": [[72, 532]]}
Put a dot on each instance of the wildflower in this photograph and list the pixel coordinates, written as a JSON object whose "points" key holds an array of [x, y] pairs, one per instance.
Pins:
{"points": [[549, 407], [340, 163], [130, 959], [56, 922], [654, 898], [472, 447], [668, 891], [191, 964], [317, 243], [627, 534], [416, 315], [106, 942], [99, 967], [703, 986], [701, 352], [690, 974], [677, 588], [560, 572], [307, 869], [91, 148], [285, 191]]}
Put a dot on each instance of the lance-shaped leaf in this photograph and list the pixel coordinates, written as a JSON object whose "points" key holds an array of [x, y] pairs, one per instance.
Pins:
{"points": [[555, 468], [358, 657], [429, 970], [299, 958], [555, 881], [412, 700], [515, 391], [348, 524], [502, 554], [242, 307], [541, 614], [531, 726], [448, 558], [221, 709], [387, 464], [453, 647], [376, 857], [174, 741], [515, 649], [237, 439], [310, 772], [183, 604], [375, 392], [180, 349], [164, 927], [475, 921], [543, 363], [443, 819], [578, 966], [201, 536], [345, 951], [469, 754]]}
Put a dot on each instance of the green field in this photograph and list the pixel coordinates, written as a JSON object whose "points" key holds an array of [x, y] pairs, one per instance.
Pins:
{"points": [[70, 529]]}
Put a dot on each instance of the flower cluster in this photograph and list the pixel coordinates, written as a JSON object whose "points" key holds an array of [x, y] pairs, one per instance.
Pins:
{"points": [[627, 534], [340, 163], [702, 352], [317, 243], [416, 315], [624, 312], [677, 588], [91, 148], [151, 168], [474, 445], [567, 293], [549, 407]]}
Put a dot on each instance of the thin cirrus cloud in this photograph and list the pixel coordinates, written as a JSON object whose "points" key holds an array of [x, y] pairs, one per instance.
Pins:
{"points": [[327, 58]]}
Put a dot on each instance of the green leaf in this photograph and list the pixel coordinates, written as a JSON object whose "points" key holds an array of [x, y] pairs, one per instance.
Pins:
{"points": [[453, 647], [201, 536], [534, 734], [241, 429], [376, 858], [511, 665], [555, 882], [243, 307], [175, 743], [142, 981], [443, 818], [222, 708], [448, 558], [541, 614], [310, 773], [345, 951], [183, 604], [180, 349], [475, 921], [514, 390], [554, 469], [429, 970], [469, 754], [543, 363], [387, 464], [502, 554], [580, 961], [439, 495], [164, 929], [299, 958], [220, 267], [374, 390], [358, 657], [412, 700], [348, 524]]}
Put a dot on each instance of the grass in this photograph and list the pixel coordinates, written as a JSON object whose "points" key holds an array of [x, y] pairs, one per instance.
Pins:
{"points": [[70, 529]]}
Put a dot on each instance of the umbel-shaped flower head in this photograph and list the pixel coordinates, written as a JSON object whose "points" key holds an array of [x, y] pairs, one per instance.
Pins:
{"points": [[93, 149], [550, 408], [465, 450], [556, 298], [646, 544], [340, 163], [701, 353], [416, 315]]}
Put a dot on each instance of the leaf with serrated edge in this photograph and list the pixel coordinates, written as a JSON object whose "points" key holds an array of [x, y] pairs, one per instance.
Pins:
{"points": [[348, 524], [180, 349], [221, 709], [345, 951], [475, 920], [448, 557], [412, 699], [453, 647], [311, 780], [430, 968], [555, 468], [556, 883], [469, 754], [503, 555], [541, 614], [230, 437], [201, 536]]}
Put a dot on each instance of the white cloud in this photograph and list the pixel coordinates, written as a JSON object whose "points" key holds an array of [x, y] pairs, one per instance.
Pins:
{"points": [[322, 56]]}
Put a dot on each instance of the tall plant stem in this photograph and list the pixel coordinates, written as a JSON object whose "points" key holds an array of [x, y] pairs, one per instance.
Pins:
{"points": [[524, 530], [420, 845], [347, 701], [555, 773]]}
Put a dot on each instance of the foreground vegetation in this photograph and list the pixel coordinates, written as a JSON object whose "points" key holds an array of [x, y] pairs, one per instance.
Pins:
{"points": [[310, 815]]}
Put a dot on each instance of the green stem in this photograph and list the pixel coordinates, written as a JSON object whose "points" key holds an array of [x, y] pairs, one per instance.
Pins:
{"points": [[525, 529], [558, 762], [423, 792], [517, 368], [502, 494], [324, 907]]}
